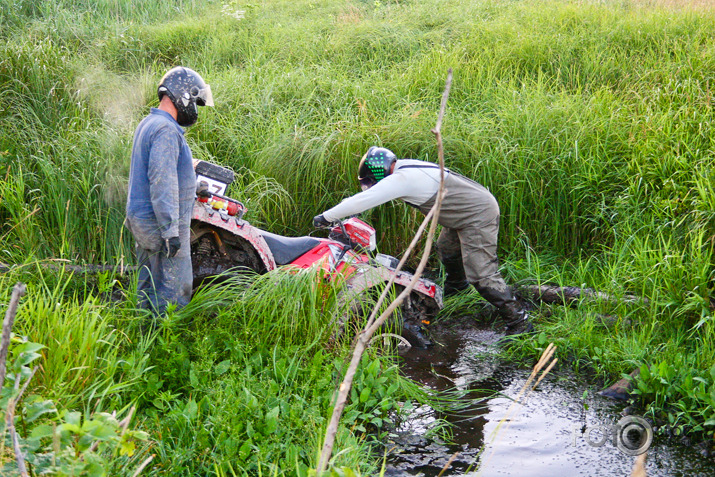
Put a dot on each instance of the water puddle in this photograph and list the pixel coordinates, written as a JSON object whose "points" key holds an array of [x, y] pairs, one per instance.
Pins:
{"points": [[542, 437]]}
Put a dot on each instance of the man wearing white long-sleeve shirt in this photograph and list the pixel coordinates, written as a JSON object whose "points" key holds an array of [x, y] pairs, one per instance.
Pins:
{"points": [[467, 246]]}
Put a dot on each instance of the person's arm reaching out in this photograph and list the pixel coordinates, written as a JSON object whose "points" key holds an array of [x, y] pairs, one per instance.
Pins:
{"points": [[390, 188]]}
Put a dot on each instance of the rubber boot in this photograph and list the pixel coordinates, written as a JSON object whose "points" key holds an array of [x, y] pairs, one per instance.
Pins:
{"points": [[455, 280], [516, 319]]}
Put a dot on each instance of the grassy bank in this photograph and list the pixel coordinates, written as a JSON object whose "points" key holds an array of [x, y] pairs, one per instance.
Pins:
{"points": [[591, 121], [240, 382]]}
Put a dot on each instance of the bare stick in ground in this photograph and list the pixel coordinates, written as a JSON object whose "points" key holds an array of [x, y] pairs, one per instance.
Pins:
{"points": [[10, 422], [545, 361], [143, 465], [558, 295], [17, 292], [363, 338]]}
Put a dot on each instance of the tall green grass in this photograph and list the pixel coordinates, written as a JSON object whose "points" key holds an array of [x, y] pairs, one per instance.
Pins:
{"points": [[241, 381], [244, 381], [92, 358], [590, 122]]}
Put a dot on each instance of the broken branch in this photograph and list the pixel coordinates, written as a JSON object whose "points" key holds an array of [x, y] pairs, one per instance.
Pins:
{"points": [[363, 337], [17, 292]]}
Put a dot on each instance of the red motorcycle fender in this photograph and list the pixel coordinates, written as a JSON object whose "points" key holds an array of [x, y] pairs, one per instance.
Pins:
{"points": [[238, 227], [366, 278]]}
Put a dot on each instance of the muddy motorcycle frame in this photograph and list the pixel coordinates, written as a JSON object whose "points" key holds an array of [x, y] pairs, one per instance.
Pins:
{"points": [[223, 240]]}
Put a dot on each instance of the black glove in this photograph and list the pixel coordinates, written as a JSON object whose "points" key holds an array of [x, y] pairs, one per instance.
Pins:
{"points": [[319, 222], [202, 189], [171, 246]]}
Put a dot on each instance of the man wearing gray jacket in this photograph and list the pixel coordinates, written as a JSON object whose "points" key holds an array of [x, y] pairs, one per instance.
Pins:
{"points": [[162, 188], [467, 245]]}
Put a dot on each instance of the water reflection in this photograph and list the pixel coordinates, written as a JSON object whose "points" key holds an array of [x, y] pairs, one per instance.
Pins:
{"points": [[541, 437]]}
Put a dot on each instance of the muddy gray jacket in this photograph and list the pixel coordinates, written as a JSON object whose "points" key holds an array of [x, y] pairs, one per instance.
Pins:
{"points": [[162, 181], [413, 181]]}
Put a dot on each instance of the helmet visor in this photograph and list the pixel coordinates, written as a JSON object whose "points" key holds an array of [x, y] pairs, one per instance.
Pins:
{"points": [[204, 96]]}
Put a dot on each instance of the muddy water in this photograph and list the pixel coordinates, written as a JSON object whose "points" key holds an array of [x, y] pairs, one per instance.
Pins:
{"points": [[541, 437]]}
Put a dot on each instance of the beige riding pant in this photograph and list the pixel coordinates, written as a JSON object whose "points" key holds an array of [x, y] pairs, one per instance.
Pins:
{"points": [[470, 219]]}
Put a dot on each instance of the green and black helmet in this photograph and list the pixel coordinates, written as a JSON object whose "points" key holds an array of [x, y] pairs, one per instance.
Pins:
{"points": [[375, 166]]}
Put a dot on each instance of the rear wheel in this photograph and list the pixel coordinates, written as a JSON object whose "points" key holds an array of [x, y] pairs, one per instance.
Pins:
{"points": [[419, 309], [217, 252]]}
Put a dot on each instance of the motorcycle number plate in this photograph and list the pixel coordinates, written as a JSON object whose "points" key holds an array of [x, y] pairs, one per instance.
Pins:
{"points": [[215, 187]]}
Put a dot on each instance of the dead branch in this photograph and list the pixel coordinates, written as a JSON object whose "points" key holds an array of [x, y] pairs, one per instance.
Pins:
{"points": [[363, 338], [557, 295], [10, 422], [60, 264], [143, 465], [17, 292]]}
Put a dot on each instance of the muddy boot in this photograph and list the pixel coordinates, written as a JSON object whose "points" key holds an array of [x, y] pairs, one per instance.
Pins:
{"points": [[516, 319], [454, 281]]}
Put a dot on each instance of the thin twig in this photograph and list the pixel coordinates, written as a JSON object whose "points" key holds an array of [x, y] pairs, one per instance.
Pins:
{"points": [[17, 292], [405, 256], [124, 423], [449, 462], [10, 423], [24, 386], [544, 361], [143, 464], [369, 331], [360, 345], [363, 338]]}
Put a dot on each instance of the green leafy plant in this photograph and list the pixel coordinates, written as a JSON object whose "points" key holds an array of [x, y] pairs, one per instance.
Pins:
{"points": [[61, 443]]}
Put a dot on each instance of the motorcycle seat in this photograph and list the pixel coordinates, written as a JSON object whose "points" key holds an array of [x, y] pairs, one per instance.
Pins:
{"points": [[287, 249]]}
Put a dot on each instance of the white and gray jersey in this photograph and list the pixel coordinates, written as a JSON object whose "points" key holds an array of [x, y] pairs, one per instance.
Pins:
{"points": [[413, 181]]}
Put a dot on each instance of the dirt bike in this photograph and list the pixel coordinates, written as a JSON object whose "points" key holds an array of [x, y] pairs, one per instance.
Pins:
{"points": [[222, 240]]}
